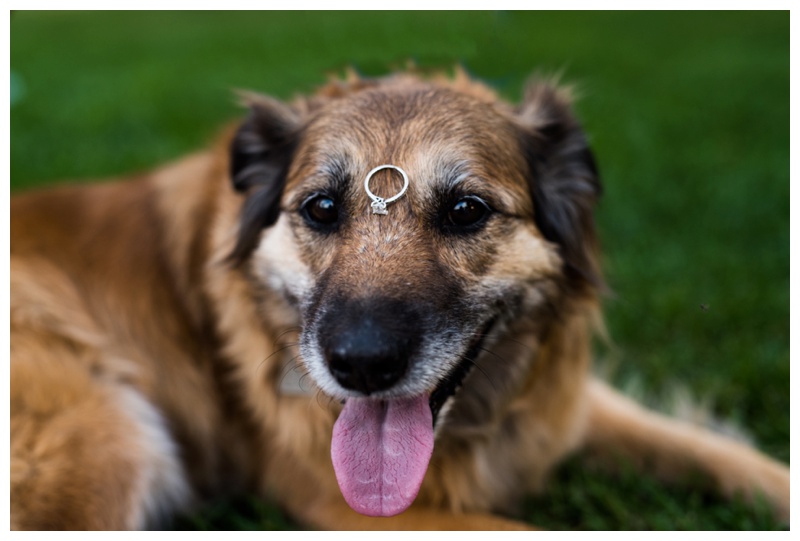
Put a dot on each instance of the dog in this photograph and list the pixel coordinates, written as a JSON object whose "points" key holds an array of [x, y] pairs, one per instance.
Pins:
{"points": [[372, 305]]}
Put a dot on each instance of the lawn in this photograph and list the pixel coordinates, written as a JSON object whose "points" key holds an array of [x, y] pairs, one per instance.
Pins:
{"points": [[689, 118]]}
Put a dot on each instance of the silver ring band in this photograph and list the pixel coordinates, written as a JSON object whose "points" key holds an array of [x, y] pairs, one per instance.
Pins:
{"points": [[379, 203]]}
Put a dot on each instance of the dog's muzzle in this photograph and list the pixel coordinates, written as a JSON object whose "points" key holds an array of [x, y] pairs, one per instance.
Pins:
{"points": [[383, 438]]}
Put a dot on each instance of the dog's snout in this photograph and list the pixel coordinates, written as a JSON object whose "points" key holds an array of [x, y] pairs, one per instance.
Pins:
{"points": [[368, 350], [366, 361]]}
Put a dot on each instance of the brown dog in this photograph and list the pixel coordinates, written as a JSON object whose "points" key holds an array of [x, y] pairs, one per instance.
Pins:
{"points": [[242, 320]]}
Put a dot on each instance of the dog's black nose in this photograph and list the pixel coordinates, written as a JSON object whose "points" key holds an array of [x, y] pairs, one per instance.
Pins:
{"points": [[367, 357], [367, 353]]}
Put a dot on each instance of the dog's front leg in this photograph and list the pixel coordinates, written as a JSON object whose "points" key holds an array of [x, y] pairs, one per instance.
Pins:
{"points": [[672, 450], [336, 515]]}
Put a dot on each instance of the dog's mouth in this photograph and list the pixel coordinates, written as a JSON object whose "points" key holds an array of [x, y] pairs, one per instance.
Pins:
{"points": [[381, 448]]}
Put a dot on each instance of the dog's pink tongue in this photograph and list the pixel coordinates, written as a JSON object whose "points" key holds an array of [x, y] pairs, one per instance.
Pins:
{"points": [[380, 453]]}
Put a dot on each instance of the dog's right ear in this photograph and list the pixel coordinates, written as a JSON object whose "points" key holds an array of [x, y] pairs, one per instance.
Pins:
{"points": [[260, 154]]}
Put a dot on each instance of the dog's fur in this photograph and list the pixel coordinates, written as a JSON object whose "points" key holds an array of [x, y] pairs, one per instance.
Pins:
{"points": [[168, 330]]}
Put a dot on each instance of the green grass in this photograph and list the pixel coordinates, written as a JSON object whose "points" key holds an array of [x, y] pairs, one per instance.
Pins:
{"points": [[689, 118]]}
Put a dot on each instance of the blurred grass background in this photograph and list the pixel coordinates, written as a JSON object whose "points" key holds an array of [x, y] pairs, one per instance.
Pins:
{"points": [[689, 118]]}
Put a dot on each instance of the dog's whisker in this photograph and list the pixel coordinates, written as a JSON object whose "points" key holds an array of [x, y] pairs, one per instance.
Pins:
{"points": [[289, 366], [517, 342], [495, 355], [490, 352], [481, 370], [279, 350], [296, 329], [317, 396], [505, 338], [291, 328], [303, 376]]}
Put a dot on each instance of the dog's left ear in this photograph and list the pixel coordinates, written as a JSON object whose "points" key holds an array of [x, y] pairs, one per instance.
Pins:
{"points": [[260, 154], [563, 179]]}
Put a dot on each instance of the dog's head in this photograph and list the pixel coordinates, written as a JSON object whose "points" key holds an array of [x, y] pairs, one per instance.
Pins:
{"points": [[496, 227]]}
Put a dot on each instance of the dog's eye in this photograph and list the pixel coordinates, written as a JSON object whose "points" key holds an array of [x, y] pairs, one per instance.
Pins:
{"points": [[468, 213], [321, 210]]}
